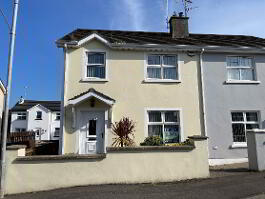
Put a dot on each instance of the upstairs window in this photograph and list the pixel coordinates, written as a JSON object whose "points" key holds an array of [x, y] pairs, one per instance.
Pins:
{"points": [[22, 116], [240, 68], [241, 122], [39, 115], [165, 124], [162, 67], [96, 65], [58, 116]]}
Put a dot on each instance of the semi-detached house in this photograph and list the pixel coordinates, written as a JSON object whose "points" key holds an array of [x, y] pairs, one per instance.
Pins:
{"points": [[172, 84]]}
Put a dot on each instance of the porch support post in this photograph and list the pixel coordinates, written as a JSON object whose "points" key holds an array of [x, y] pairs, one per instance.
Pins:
{"points": [[74, 117]]}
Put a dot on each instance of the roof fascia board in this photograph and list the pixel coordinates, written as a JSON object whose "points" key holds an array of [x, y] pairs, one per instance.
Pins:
{"points": [[90, 37], [87, 96], [2, 87], [48, 110]]}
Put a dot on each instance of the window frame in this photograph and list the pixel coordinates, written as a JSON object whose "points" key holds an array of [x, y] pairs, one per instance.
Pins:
{"points": [[54, 135], [56, 116], [21, 115], [162, 66], [37, 115], [85, 64], [253, 67], [180, 123], [245, 122]]}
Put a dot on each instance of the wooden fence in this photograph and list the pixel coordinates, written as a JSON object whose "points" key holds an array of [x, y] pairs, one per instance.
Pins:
{"points": [[27, 138]]}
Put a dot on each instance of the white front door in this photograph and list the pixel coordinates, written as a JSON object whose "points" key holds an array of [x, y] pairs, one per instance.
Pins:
{"points": [[92, 132]]}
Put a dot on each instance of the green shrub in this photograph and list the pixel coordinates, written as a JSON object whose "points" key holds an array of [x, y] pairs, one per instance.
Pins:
{"points": [[152, 141]]}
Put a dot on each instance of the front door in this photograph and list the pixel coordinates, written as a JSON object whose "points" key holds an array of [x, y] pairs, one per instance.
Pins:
{"points": [[92, 132]]}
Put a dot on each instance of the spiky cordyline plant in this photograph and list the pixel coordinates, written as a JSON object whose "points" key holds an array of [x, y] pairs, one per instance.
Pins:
{"points": [[123, 130]]}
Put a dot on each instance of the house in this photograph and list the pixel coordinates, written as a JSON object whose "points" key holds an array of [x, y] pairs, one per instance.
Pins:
{"points": [[2, 98], [234, 82], [151, 77], [42, 117]]}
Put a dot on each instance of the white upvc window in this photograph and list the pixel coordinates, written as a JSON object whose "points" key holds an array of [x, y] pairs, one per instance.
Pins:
{"points": [[58, 116], [38, 115], [240, 68], [95, 65], [162, 67], [243, 121], [165, 124], [21, 116], [56, 132], [20, 130]]}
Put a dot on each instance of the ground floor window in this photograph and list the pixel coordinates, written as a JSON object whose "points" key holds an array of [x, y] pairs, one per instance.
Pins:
{"points": [[165, 124], [20, 130], [243, 121], [56, 132]]}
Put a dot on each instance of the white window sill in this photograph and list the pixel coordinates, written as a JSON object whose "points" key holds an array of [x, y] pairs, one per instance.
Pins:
{"points": [[161, 81], [242, 82], [94, 80], [239, 145]]}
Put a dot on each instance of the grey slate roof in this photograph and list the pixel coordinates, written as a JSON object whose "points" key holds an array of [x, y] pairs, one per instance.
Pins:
{"points": [[51, 105], [94, 91], [140, 37]]}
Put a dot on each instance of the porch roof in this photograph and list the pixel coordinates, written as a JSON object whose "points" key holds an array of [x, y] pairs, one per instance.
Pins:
{"points": [[91, 93]]}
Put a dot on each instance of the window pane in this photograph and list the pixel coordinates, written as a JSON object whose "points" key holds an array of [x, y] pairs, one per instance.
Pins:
{"points": [[155, 130], [170, 73], [154, 116], [233, 74], [232, 61], [252, 126], [252, 116], [95, 58], [96, 71], [170, 60], [247, 74], [245, 61], [153, 60], [171, 116], [237, 116], [239, 133], [154, 73], [171, 133], [92, 127]]}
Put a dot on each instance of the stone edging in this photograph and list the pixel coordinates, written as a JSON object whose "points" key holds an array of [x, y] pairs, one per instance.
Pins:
{"points": [[16, 147], [60, 157], [150, 148], [198, 137]]}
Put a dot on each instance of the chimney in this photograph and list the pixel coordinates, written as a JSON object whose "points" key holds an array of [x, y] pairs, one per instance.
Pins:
{"points": [[21, 100], [179, 26]]}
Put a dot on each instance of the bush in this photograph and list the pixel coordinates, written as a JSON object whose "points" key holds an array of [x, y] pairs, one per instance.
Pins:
{"points": [[152, 141]]}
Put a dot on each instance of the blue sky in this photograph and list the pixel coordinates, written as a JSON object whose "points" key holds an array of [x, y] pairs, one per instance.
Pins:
{"points": [[37, 61]]}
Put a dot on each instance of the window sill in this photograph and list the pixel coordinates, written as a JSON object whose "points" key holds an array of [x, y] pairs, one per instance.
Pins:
{"points": [[94, 80], [242, 82], [161, 81], [38, 119], [239, 145]]}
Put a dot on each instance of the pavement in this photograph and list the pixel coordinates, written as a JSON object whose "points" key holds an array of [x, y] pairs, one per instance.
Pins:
{"points": [[229, 181]]}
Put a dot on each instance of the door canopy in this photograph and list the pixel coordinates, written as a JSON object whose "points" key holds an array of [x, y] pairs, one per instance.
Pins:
{"points": [[91, 93]]}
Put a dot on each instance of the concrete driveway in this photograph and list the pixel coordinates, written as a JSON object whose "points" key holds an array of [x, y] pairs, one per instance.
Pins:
{"points": [[225, 183]]}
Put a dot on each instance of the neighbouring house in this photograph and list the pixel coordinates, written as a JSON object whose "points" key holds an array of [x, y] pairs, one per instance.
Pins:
{"points": [[151, 77], [2, 98], [42, 117], [234, 84]]}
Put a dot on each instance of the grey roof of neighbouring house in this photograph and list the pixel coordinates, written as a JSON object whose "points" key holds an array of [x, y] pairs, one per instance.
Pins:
{"points": [[140, 37], [51, 105]]}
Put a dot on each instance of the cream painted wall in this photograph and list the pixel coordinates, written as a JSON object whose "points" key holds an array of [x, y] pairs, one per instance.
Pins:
{"points": [[131, 167], [125, 85]]}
